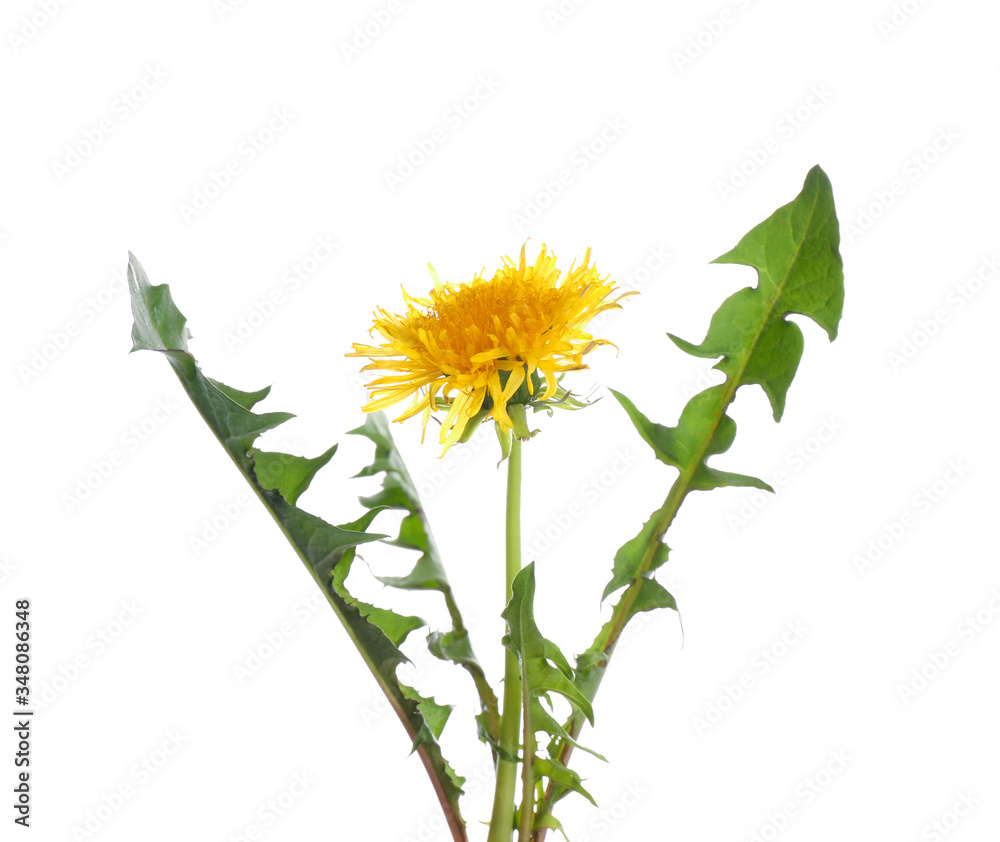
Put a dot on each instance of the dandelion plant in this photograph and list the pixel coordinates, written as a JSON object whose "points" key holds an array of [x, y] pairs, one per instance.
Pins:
{"points": [[488, 351]]}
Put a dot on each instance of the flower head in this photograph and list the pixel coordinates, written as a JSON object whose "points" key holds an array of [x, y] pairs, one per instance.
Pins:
{"points": [[476, 347]]}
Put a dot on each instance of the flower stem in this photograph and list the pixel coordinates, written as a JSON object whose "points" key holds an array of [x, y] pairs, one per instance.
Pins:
{"points": [[502, 819], [527, 770]]}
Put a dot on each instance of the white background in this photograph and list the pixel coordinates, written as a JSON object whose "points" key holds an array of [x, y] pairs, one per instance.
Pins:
{"points": [[139, 629]]}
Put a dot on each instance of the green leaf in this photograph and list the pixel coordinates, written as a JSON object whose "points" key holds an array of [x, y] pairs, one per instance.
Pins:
{"points": [[395, 627], [544, 666], [399, 492], [799, 271], [631, 557], [551, 822], [544, 670], [248, 400], [435, 717], [288, 474], [326, 550], [158, 324], [543, 720], [678, 446], [565, 778]]}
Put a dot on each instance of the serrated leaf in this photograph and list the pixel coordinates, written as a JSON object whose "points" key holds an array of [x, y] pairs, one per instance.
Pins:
{"points": [[435, 717], [428, 573], [799, 269], [552, 823], [158, 324], [248, 400], [680, 446], [287, 474], [447, 646], [543, 719], [653, 595], [559, 774], [395, 627], [632, 556], [545, 669], [322, 547]]}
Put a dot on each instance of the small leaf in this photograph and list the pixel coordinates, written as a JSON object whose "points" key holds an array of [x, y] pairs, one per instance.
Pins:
{"points": [[542, 718], [544, 666], [552, 823], [678, 446], [567, 778], [653, 595], [428, 573], [290, 475], [505, 439], [643, 552], [158, 324], [248, 400], [435, 717]]}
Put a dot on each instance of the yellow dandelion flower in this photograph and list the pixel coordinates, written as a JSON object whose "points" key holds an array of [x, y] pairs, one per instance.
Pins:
{"points": [[476, 347]]}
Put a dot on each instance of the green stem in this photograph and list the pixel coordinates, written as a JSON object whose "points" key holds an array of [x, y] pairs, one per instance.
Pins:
{"points": [[527, 769], [502, 819]]}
